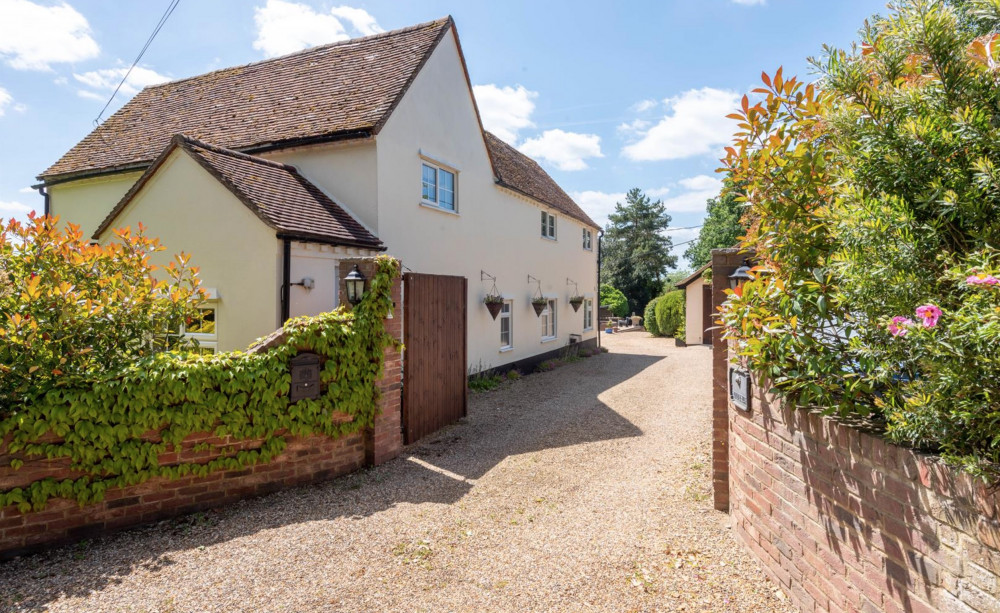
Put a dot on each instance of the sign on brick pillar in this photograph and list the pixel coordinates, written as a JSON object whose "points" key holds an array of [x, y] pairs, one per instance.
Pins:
{"points": [[384, 440], [724, 263]]}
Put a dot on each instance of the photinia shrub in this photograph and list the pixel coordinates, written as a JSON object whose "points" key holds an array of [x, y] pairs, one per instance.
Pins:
{"points": [[72, 312]]}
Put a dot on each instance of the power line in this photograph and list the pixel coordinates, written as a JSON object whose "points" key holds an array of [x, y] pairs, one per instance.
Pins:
{"points": [[687, 228], [166, 15]]}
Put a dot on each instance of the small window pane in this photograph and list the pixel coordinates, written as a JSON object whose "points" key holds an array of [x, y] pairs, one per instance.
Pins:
{"points": [[429, 183], [552, 226], [545, 224], [203, 325], [446, 192]]}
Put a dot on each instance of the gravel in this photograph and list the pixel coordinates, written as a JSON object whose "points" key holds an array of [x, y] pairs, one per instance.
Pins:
{"points": [[586, 488]]}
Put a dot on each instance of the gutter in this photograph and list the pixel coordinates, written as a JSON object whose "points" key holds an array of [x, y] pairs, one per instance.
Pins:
{"points": [[45, 195], [286, 273], [600, 235]]}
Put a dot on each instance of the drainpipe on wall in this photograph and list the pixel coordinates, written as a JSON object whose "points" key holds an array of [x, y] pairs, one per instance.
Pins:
{"points": [[286, 272], [600, 235], [41, 190]]}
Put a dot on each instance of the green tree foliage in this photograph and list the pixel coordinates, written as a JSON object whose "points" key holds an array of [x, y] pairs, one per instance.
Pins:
{"points": [[635, 251], [649, 317], [722, 228], [873, 199], [104, 426], [614, 299], [72, 312], [670, 312]]}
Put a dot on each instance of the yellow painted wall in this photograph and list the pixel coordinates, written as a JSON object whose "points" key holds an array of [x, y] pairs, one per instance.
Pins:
{"points": [[88, 201], [239, 256], [494, 230]]}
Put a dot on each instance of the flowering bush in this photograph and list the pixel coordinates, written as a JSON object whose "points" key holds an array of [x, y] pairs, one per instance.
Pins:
{"points": [[72, 312], [873, 198]]}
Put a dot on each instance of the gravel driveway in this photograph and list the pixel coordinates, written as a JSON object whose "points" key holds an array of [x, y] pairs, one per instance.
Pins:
{"points": [[586, 488]]}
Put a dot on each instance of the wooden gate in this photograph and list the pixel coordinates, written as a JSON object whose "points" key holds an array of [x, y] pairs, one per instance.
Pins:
{"points": [[707, 313], [434, 362]]}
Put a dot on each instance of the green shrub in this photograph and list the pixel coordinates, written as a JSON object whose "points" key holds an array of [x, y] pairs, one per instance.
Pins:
{"points": [[614, 299], [73, 313], [670, 312], [649, 317]]}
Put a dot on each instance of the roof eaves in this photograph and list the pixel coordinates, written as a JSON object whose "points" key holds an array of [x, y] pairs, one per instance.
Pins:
{"points": [[693, 277], [585, 220]]}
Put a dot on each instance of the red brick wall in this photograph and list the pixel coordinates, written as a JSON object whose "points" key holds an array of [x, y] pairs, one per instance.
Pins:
{"points": [[844, 521], [304, 460]]}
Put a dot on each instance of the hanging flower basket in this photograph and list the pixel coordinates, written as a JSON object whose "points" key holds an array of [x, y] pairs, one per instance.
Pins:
{"points": [[539, 305], [494, 304], [575, 302]]}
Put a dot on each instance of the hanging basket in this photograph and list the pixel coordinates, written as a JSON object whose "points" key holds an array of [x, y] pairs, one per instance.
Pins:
{"points": [[539, 306], [575, 302], [494, 304]]}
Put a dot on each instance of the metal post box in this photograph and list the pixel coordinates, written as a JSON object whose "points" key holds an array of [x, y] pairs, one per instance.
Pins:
{"points": [[305, 377]]}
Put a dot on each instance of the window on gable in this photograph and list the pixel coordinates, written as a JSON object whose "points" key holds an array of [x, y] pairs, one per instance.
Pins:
{"points": [[588, 239], [548, 225], [548, 319], [507, 326], [437, 187]]}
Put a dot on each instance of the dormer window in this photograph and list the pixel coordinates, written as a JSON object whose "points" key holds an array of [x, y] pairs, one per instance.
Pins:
{"points": [[438, 187]]}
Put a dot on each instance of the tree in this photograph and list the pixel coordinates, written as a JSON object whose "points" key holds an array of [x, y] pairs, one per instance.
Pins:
{"points": [[722, 228], [614, 299], [635, 251]]}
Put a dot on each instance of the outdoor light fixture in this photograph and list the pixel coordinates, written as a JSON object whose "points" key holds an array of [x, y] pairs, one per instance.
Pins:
{"points": [[355, 282], [740, 275]]}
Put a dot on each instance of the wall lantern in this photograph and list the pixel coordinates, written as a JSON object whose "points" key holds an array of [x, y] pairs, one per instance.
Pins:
{"points": [[355, 282], [740, 275]]}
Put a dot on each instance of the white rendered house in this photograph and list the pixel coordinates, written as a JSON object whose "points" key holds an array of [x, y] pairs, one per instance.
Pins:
{"points": [[269, 173]]}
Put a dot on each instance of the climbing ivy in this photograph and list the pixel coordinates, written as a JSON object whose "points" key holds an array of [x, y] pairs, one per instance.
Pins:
{"points": [[114, 431]]}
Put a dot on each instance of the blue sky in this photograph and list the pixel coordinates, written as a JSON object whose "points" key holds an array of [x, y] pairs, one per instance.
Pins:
{"points": [[607, 96]]}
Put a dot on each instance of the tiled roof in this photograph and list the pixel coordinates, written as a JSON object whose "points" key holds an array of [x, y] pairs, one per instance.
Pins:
{"points": [[281, 197], [340, 89], [522, 174]]}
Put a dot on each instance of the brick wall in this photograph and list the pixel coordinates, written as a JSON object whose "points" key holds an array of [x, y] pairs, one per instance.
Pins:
{"points": [[304, 460], [844, 521]]}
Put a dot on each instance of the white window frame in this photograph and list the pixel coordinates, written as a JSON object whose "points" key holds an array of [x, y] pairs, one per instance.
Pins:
{"points": [[588, 312], [507, 313], [588, 239], [438, 168], [549, 319], [207, 343], [549, 226]]}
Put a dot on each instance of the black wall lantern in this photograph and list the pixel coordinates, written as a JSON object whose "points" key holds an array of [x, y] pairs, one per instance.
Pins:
{"points": [[740, 275], [355, 282]]}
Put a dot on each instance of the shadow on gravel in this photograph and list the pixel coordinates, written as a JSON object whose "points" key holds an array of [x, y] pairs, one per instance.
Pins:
{"points": [[542, 411]]}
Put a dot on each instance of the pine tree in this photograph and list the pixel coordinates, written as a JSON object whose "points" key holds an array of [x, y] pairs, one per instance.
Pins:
{"points": [[635, 251]]}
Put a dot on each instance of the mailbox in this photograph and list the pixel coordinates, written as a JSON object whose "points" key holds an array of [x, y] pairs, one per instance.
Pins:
{"points": [[305, 377]]}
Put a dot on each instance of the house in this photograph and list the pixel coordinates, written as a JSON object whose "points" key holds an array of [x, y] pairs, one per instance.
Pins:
{"points": [[269, 173], [698, 306]]}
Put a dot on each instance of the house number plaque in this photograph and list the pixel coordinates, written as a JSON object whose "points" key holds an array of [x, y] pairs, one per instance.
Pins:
{"points": [[739, 388]]}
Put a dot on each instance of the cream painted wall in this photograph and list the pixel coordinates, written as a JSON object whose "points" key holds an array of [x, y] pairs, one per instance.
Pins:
{"points": [[88, 201], [345, 171], [495, 230], [239, 256], [694, 326], [320, 263]]}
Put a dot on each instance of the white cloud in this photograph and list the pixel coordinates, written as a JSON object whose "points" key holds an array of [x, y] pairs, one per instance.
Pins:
{"points": [[505, 110], [701, 182], [33, 36], [284, 27], [5, 100], [360, 19], [695, 124], [566, 150], [14, 209], [27, 190], [698, 190], [643, 105], [634, 128], [598, 204], [107, 79]]}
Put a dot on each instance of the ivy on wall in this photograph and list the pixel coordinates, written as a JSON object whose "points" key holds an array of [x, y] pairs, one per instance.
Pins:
{"points": [[105, 429]]}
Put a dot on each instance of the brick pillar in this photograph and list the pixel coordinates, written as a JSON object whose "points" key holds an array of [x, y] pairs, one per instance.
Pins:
{"points": [[384, 440], [724, 263]]}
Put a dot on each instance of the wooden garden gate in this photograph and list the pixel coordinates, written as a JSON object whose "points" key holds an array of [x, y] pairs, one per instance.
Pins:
{"points": [[434, 362]]}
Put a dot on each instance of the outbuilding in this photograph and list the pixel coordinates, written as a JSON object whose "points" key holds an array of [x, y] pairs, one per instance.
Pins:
{"points": [[698, 306]]}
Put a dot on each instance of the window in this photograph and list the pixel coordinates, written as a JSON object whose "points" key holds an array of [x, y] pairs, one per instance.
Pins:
{"points": [[548, 318], [201, 329], [588, 239], [548, 226], [588, 314], [437, 187], [507, 326]]}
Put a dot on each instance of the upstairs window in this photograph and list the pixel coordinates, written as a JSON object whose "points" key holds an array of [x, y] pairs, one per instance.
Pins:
{"points": [[437, 187], [588, 239], [548, 226]]}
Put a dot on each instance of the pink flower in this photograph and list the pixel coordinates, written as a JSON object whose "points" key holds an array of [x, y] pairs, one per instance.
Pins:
{"points": [[929, 313], [982, 279], [897, 327]]}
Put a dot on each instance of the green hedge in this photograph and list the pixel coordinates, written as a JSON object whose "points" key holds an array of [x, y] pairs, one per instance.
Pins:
{"points": [[649, 317], [239, 395], [670, 312]]}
